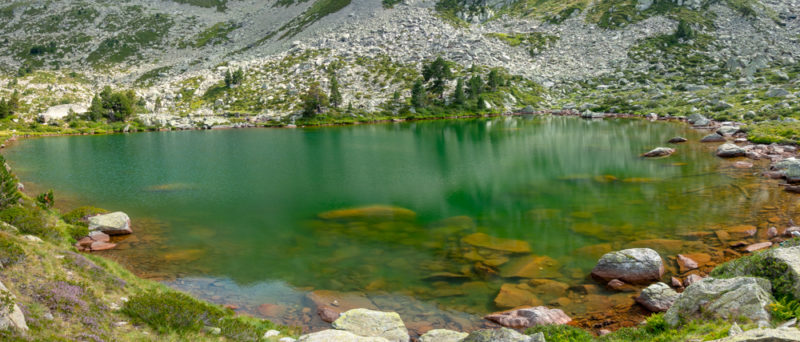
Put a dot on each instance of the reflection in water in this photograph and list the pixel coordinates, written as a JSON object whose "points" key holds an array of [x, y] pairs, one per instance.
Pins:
{"points": [[464, 216]]}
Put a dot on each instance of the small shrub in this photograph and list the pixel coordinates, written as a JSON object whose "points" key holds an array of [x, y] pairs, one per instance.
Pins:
{"points": [[46, 200], [79, 215], [10, 252], [785, 308], [63, 297], [28, 221], [171, 311], [244, 328]]}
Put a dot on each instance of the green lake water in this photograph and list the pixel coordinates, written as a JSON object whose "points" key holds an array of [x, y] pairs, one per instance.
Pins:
{"points": [[234, 215]]}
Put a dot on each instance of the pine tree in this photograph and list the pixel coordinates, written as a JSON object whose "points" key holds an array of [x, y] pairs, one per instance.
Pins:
{"points": [[475, 86], [459, 97], [228, 79], [13, 103], [335, 97], [314, 100], [396, 98], [418, 95], [9, 194], [4, 112], [438, 72], [495, 80], [96, 111]]}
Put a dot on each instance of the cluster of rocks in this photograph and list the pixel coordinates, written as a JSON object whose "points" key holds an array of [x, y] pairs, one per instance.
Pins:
{"points": [[101, 228], [363, 325]]}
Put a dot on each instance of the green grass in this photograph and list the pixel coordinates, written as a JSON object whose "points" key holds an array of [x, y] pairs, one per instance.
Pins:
{"points": [[655, 330], [317, 11], [774, 132], [220, 5], [215, 35]]}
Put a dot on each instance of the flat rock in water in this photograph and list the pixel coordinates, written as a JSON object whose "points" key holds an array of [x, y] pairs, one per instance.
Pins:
{"points": [[374, 212], [658, 297], [685, 263], [490, 242], [764, 335], [713, 137], [443, 335], [758, 246], [340, 301], [497, 335], [515, 295], [634, 265], [730, 151], [728, 130], [730, 299], [659, 152], [677, 140], [531, 267], [331, 335], [742, 231], [370, 323], [529, 317], [116, 223]]}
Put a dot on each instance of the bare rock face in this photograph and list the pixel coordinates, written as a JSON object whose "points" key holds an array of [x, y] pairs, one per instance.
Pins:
{"points": [[529, 317], [634, 266], [11, 316], [729, 299], [658, 297], [443, 335], [370, 323]]}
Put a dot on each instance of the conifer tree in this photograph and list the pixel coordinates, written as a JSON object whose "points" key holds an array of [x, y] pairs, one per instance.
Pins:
{"points": [[335, 97]]}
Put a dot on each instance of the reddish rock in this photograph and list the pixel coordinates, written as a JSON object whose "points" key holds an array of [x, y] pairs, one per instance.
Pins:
{"points": [[742, 165], [231, 306], [691, 279], [772, 232], [101, 246], [271, 310], [327, 313], [603, 332], [685, 263], [84, 242], [529, 317], [788, 231], [677, 283], [619, 285], [341, 300], [100, 236], [758, 246]]}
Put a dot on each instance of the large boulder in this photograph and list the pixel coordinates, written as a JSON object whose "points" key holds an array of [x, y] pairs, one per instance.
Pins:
{"points": [[331, 335], [634, 265], [728, 130], [370, 323], [60, 112], [736, 298], [658, 297], [765, 335], [497, 335], [528, 317], [443, 335], [713, 137], [780, 265], [730, 151], [11, 316], [116, 223]]}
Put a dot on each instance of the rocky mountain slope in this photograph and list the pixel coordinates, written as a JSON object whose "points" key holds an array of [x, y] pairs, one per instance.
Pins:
{"points": [[175, 53]]}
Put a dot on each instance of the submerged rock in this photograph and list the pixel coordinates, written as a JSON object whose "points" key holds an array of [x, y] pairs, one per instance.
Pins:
{"points": [[116, 223], [332, 335], [677, 140], [369, 323], [490, 242], [635, 265], [714, 137], [730, 151], [515, 295], [531, 266], [658, 297], [731, 299], [374, 212], [443, 335], [497, 335], [659, 152], [11, 316], [529, 317]]}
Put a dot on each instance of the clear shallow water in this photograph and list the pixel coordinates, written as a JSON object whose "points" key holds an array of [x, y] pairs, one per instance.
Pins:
{"points": [[239, 216]]}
